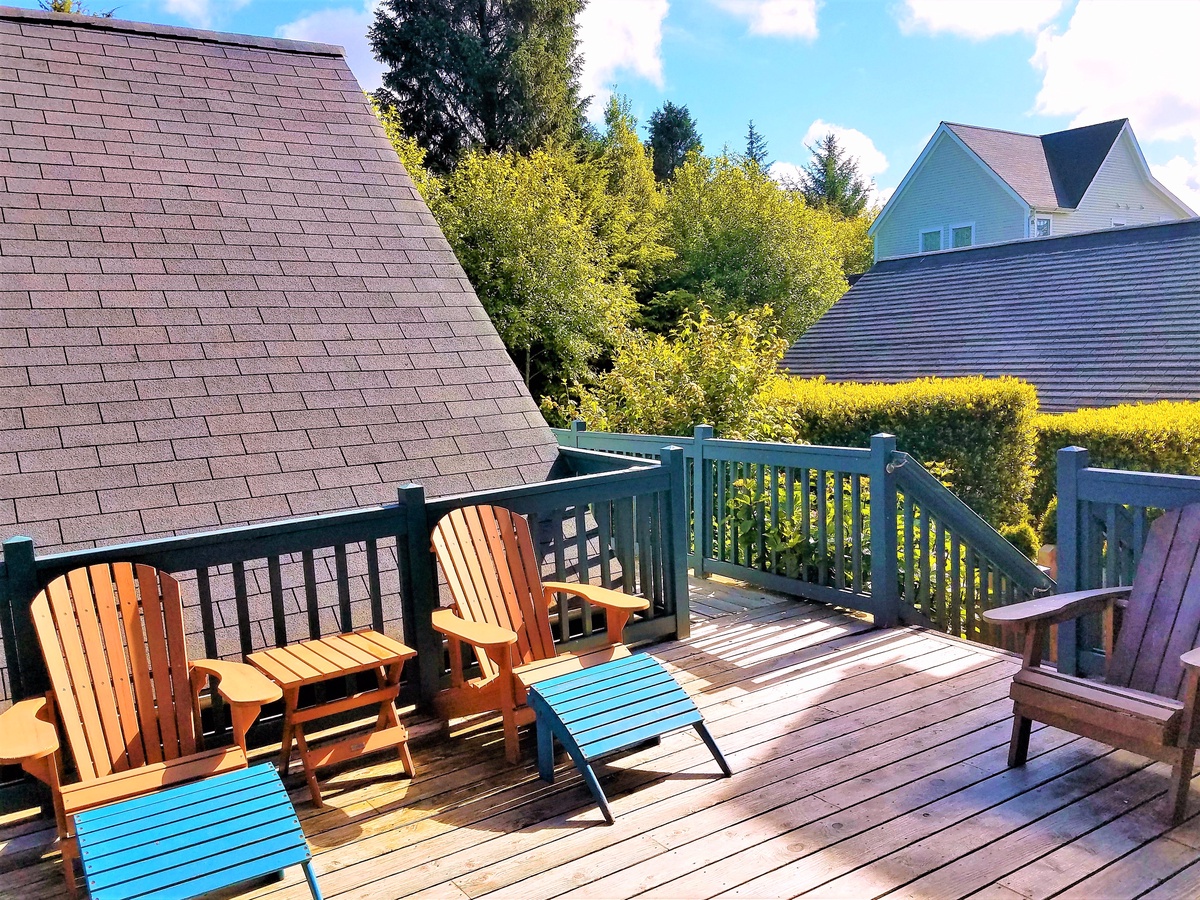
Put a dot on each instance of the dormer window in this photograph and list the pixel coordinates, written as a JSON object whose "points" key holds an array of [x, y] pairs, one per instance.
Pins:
{"points": [[962, 235], [931, 240], [1043, 226]]}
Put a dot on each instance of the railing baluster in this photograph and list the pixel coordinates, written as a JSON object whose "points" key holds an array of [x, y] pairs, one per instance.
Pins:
{"points": [[1113, 540], [623, 521], [242, 605], [585, 575], [278, 616], [760, 517], [822, 536], [925, 592], [642, 524], [211, 650], [805, 523], [603, 513], [310, 594], [939, 603], [856, 529], [908, 537], [789, 507], [374, 590], [954, 609], [342, 572], [839, 536], [773, 482], [722, 507], [969, 596]]}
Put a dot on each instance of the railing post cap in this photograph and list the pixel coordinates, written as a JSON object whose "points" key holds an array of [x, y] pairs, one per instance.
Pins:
{"points": [[18, 540], [1073, 455], [578, 425]]}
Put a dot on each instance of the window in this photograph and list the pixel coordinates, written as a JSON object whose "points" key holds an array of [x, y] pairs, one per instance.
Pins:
{"points": [[962, 235], [931, 240], [1043, 226], [1118, 221]]}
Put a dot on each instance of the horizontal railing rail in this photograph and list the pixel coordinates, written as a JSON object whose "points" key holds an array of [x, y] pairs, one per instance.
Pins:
{"points": [[1103, 518], [808, 520]]}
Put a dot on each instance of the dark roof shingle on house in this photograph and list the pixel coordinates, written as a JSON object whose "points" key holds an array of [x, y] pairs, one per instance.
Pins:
{"points": [[1093, 319], [221, 298], [1049, 171]]}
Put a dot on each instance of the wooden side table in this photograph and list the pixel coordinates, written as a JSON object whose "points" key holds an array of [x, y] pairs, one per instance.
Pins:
{"points": [[309, 662]]}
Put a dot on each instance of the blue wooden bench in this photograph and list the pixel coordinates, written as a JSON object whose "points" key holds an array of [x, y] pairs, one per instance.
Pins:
{"points": [[611, 707], [189, 840]]}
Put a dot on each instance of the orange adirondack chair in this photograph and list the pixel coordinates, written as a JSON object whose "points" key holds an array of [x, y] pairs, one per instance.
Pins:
{"points": [[124, 694], [1149, 700], [501, 608]]}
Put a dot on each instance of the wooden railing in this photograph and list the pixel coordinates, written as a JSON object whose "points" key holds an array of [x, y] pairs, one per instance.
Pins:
{"points": [[1103, 515], [603, 519], [811, 521]]}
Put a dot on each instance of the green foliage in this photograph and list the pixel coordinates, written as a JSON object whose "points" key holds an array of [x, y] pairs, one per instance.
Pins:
{"points": [[524, 237], [831, 180], [412, 155], [1048, 528], [1153, 437], [714, 371], [742, 241], [480, 74], [73, 8], [756, 147], [672, 136], [979, 431], [1022, 536]]}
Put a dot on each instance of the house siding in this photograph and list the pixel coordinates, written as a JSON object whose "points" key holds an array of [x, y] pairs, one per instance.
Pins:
{"points": [[951, 187], [1119, 190]]}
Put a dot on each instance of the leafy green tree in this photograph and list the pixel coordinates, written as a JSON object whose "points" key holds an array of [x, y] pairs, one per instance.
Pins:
{"points": [[73, 8], [832, 181], [672, 136], [713, 370], [524, 237], [743, 241], [412, 154], [756, 147], [486, 74]]}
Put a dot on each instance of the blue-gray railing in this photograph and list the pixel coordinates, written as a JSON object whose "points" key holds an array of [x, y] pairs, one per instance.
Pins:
{"points": [[1103, 515], [603, 519], [808, 521]]}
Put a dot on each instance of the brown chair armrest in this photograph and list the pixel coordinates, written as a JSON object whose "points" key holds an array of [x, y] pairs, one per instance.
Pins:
{"points": [[238, 683], [1055, 608], [26, 732], [600, 596], [477, 634]]}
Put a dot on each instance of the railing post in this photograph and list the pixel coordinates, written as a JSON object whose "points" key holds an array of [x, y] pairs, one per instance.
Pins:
{"points": [[577, 425], [1071, 461], [675, 539], [701, 519], [26, 669], [885, 584], [420, 583]]}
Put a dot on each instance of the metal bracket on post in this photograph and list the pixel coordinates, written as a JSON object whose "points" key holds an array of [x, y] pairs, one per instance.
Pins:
{"points": [[420, 584], [885, 574], [701, 519], [674, 537], [1071, 461]]}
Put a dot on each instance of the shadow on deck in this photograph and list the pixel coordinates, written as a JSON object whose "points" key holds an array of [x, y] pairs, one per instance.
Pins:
{"points": [[867, 763]]}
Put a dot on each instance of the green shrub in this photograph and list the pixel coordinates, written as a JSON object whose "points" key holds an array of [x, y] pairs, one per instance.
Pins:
{"points": [[1048, 529], [978, 432], [1153, 437], [1021, 536]]}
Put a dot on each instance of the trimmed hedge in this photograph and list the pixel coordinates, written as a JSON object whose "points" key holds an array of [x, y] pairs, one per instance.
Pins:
{"points": [[976, 434], [1152, 437]]}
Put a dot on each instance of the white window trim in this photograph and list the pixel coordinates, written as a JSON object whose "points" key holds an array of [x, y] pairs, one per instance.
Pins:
{"points": [[1049, 218], [924, 231], [970, 225], [1119, 221]]}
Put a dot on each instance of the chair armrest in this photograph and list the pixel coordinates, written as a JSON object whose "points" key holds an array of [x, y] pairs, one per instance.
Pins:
{"points": [[1191, 659], [477, 634], [26, 732], [1055, 608], [600, 596], [237, 682]]}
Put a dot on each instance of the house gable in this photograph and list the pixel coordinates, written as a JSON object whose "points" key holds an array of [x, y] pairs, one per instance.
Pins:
{"points": [[948, 185]]}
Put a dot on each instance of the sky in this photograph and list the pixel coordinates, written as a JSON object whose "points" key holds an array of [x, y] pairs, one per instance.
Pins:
{"points": [[880, 74]]}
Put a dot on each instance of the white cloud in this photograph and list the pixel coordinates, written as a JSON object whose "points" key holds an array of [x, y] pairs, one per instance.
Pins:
{"points": [[977, 19], [1135, 60], [347, 27], [781, 18], [871, 162], [201, 12], [619, 37]]}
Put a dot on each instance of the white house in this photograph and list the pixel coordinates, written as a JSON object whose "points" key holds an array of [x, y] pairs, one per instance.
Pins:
{"points": [[974, 185]]}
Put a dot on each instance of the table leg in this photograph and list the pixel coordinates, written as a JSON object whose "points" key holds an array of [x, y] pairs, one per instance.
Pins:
{"points": [[310, 774], [290, 698]]}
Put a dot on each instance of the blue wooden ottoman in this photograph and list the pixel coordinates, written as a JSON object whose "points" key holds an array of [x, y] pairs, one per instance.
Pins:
{"points": [[611, 707], [185, 841]]}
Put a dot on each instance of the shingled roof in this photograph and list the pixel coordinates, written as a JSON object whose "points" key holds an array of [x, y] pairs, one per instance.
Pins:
{"points": [[221, 299], [1092, 319], [1049, 171]]}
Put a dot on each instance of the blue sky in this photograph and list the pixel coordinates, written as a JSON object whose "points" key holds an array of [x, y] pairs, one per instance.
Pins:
{"points": [[881, 73]]}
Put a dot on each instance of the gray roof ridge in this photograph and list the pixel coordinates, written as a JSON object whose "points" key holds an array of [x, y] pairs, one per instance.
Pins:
{"points": [[1049, 240], [989, 128], [311, 48], [1122, 119]]}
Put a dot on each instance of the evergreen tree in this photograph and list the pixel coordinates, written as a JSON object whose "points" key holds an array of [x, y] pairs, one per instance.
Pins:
{"points": [[756, 147], [831, 180], [480, 74], [672, 136]]}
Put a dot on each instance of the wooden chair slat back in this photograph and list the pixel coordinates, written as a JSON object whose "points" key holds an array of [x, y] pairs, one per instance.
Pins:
{"points": [[113, 639], [1162, 619], [488, 557]]}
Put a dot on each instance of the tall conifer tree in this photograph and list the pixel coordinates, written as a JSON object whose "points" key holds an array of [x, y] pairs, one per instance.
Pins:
{"points": [[831, 180]]}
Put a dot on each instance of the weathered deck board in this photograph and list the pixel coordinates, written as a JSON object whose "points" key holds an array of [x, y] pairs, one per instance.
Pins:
{"points": [[867, 763]]}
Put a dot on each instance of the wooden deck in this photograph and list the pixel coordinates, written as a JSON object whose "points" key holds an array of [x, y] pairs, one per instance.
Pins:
{"points": [[867, 764]]}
